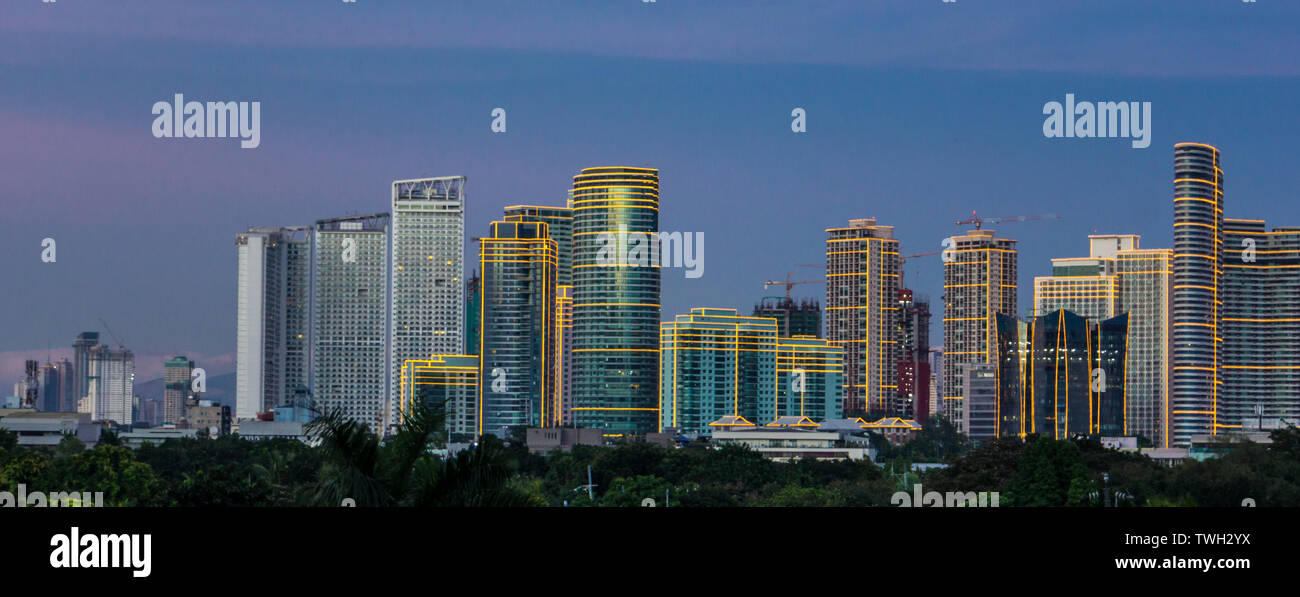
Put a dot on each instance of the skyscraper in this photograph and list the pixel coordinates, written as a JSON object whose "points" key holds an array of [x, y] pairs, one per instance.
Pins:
{"points": [[715, 363], [349, 318], [615, 301], [427, 312], [1198, 267], [81, 365], [559, 226], [913, 356], [1116, 278], [979, 282], [271, 323], [518, 273], [1260, 354], [111, 385], [862, 280], [177, 377]]}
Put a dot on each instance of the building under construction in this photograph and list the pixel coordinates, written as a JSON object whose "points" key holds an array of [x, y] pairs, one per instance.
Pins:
{"points": [[803, 318]]}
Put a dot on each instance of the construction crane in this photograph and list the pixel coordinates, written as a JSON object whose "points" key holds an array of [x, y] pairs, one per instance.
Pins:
{"points": [[788, 284], [110, 332], [979, 222]]}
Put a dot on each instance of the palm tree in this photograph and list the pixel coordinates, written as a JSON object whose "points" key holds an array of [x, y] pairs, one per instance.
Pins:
{"points": [[401, 471]]}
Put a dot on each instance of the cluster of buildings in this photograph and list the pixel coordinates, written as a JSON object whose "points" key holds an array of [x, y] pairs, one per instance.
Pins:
{"points": [[368, 314], [371, 313]]}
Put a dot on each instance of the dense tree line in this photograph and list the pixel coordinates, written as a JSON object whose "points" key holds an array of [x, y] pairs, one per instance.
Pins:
{"points": [[351, 463]]}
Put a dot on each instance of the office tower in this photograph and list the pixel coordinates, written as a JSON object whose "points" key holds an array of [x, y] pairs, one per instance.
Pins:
{"points": [[934, 393], [809, 378], [979, 282], [1060, 375], [349, 318], [1119, 277], [564, 351], [913, 356], [81, 365], [1260, 353], [110, 384], [451, 380], [803, 318], [48, 381], [713, 364], [559, 226], [427, 313], [980, 415], [1198, 266], [862, 280], [178, 373], [615, 301], [271, 324], [518, 271]]}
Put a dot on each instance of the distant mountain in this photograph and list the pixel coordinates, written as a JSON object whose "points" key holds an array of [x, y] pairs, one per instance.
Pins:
{"points": [[221, 389]]}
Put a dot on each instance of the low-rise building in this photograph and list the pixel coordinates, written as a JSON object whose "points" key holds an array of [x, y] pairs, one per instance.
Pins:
{"points": [[896, 430], [49, 428], [156, 435], [547, 439], [794, 439]]}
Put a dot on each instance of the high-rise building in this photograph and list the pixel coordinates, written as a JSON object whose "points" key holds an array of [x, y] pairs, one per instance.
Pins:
{"points": [[715, 363], [81, 365], [980, 415], [56, 387], [1198, 267], [913, 356], [349, 318], [615, 301], [801, 318], [177, 376], [559, 226], [449, 380], [1259, 357], [1119, 277], [1060, 375], [473, 300], [111, 384], [271, 317], [809, 378], [862, 281], [427, 312], [518, 270], [979, 282]]}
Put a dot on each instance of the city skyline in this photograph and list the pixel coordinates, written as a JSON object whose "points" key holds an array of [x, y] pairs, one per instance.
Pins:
{"points": [[718, 146]]}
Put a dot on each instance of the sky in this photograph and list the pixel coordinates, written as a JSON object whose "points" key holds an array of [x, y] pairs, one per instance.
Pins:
{"points": [[917, 113]]}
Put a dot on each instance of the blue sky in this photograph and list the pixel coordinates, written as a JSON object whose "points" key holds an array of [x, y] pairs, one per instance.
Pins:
{"points": [[918, 113]]}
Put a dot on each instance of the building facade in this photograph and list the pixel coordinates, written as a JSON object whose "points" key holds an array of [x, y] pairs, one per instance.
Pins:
{"points": [[449, 380], [616, 304], [349, 318], [809, 378], [979, 282], [716, 363], [427, 301], [862, 282], [178, 375], [518, 272], [270, 316]]}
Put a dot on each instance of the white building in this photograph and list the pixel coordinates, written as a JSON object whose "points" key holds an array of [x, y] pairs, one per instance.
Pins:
{"points": [[271, 317], [110, 385], [427, 309]]}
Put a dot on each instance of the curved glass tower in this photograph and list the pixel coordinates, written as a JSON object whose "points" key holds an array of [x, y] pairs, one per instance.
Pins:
{"points": [[1198, 267], [615, 300]]}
